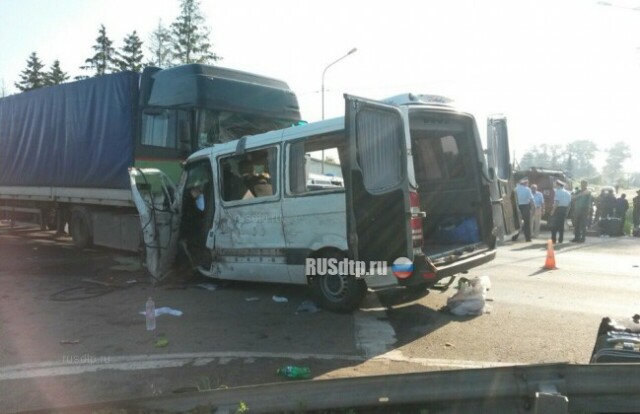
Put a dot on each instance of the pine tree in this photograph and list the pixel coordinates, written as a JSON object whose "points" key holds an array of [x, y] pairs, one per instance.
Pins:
{"points": [[190, 36], [160, 46], [102, 61], [56, 76], [32, 77], [130, 56]]}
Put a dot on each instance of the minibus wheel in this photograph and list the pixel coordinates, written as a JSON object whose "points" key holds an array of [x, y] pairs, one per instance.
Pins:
{"points": [[341, 292]]}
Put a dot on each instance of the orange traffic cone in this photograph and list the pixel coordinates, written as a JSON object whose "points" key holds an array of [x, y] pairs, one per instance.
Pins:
{"points": [[550, 263]]}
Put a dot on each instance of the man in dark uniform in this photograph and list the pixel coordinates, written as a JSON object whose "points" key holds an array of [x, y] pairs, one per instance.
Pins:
{"points": [[582, 200], [636, 210], [622, 206]]}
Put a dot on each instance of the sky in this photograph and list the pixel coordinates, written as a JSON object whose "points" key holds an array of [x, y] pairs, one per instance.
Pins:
{"points": [[560, 70]]}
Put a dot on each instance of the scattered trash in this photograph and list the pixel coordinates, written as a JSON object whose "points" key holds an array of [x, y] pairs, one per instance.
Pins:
{"points": [[252, 299], [165, 310], [449, 345], [70, 341], [293, 372], [279, 299], [307, 307], [161, 342], [470, 298], [207, 286]]}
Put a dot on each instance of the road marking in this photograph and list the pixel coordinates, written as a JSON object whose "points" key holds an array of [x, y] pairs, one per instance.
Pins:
{"points": [[144, 362], [397, 356], [374, 335], [141, 362]]}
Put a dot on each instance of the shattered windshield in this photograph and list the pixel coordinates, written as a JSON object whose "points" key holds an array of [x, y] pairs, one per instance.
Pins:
{"points": [[216, 127]]}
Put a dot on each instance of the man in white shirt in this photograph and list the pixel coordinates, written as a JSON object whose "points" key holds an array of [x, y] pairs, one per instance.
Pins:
{"points": [[561, 202], [538, 202], [525, 200]]}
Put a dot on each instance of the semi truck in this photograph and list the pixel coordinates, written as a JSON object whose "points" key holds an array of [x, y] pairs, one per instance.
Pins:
{"points": [[89, 154]]}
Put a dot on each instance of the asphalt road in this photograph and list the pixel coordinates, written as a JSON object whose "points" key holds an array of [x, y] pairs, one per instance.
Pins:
{"points": [[64, 340]]}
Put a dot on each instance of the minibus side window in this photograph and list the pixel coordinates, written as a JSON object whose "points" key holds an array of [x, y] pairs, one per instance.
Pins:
{"points": [[250, 175], [309, 172]]}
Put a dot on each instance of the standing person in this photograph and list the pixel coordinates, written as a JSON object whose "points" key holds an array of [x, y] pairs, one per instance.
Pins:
{"points": [[525, 199], [636, 210], [582, 200], [538, 208], [622, 205], [608, 205], [561, 202], [599, 207]]}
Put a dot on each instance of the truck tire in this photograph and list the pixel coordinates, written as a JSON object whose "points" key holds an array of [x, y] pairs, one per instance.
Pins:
{"points": [[81, 228], [338, 293]]}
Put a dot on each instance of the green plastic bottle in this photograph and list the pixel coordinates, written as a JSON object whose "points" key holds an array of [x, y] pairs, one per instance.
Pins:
{"points": [[293, 372]]}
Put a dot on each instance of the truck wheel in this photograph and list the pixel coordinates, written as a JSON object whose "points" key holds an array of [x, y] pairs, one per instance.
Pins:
{"points": [[341, 292], [81, 228]]}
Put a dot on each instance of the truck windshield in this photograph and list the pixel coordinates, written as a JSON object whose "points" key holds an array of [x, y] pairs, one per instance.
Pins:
{"points": [[222, 126]]}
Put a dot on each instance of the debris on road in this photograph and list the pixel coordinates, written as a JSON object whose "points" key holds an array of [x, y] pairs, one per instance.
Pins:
{"points": [[470, 298], [161, 342], [69, 341], [207, 286], [279, 299], [449, 345], [293, 372], [165, 310], [252, 299], [307, 307]]}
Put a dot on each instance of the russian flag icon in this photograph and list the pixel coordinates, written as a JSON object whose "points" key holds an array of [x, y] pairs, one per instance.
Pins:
{"points": [[402, 267]]}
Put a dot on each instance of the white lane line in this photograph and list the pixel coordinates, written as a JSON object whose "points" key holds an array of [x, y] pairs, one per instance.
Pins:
{"points": [[89, 363], [397, 356], [374, 335], [144, 362]]}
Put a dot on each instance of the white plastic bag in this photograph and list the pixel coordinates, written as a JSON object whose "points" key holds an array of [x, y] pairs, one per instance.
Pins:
{"points": [[470, 298]]}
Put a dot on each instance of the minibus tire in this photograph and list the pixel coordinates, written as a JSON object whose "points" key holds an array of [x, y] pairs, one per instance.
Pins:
{"points": [[338, 293]]}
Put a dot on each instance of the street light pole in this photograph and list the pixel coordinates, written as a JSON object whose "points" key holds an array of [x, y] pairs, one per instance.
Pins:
{"points": [[351, 52]]}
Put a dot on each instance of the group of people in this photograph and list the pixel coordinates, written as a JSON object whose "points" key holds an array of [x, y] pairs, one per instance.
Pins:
{"points": [[531, 205]]}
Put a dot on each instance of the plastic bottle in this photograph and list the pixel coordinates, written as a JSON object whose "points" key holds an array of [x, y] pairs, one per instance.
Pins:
{"points": [[150, 313], [293, 372]]}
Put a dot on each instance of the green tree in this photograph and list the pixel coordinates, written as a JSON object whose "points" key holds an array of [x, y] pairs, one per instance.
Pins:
{"points": [[581, 152], [103, 61], [32, 77], [56, 76], [160, 46], [190, 36], [616, 156], [544, 156], [130, 56]]}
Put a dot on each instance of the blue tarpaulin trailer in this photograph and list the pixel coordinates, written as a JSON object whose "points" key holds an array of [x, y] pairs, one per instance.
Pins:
{"points": [[79, 134]]}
